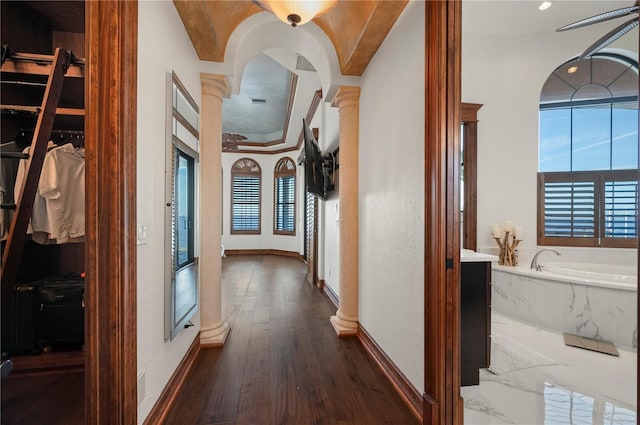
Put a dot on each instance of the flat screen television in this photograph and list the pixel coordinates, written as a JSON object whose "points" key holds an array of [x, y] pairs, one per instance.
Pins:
{"points": [[317, 168]]}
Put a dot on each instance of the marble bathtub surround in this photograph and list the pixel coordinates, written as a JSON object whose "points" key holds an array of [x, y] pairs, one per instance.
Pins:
{"points": [[607, 312]]}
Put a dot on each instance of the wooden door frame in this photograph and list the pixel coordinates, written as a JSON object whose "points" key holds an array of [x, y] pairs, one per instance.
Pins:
{"points": [[442, 402], [110, 143], [469, 119]]}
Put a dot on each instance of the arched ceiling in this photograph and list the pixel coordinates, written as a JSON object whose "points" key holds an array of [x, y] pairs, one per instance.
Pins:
{"points": [[356, 28]]}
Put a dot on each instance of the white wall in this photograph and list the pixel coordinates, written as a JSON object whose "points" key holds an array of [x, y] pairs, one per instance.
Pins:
{"points": [[506, 75], [391, 200], [265, 240], [159, 52]]}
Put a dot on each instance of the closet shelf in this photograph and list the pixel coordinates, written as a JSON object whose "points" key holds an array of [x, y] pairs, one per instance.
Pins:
{"points": [[31, 63], [36, 110]]}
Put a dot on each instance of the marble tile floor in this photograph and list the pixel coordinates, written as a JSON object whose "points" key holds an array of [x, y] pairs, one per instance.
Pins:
{"points": [[583, 387]]}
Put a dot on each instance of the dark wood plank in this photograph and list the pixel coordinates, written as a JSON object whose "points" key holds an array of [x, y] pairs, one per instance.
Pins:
{"points": [[287, 370], [48, 398]]}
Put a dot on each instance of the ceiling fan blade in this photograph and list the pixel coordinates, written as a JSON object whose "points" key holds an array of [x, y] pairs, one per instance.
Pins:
{"points": [[610, 37], [613, 14]]}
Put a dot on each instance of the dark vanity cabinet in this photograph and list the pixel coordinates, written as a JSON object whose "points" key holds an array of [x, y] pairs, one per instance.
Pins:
{"points": [[475, 319]]}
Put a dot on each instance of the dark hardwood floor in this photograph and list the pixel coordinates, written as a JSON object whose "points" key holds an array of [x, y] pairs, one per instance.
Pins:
{"points": [[51, 398], [282, 363]]}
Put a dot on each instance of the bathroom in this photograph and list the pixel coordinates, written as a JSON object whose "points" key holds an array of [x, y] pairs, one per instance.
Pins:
{"points": [[509, 51]]}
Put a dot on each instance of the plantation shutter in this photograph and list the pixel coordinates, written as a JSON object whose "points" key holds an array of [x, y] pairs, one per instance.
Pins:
{"points": [[284, 214], [588, 208], [246, 203], [245, 197], [620, 209], [285, 204]]}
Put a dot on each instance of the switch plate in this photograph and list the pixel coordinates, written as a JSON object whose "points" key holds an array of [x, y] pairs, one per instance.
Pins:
{"points": [[142, 231]]}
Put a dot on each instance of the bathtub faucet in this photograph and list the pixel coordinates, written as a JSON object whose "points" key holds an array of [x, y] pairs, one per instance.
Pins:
{"points": [[534, 263]]}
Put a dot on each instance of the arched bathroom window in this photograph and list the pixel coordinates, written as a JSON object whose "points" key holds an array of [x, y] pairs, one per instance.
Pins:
{"points": [[284, 197], [588, 153], [246, 178]]}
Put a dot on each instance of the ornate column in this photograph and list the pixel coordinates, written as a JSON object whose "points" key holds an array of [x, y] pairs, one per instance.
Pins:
{"points": [[345, 322], [213, 330]]}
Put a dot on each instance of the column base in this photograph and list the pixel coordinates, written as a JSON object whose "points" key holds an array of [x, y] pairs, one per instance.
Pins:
{"points": [[214, 337], [344, 328]]}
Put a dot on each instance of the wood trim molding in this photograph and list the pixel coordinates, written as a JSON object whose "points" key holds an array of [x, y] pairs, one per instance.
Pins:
{"points": [[470, 111], [330, 293], [174, 386], [469, 118], [442, 402], [110, 127], [264, 252], [405, 389], [470, 213]]}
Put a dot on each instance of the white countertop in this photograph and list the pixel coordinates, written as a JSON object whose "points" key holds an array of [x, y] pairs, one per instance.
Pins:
{"points": [[469, 256]]}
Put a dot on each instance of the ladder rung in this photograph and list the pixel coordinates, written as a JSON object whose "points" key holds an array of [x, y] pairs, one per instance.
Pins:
{"points": [[14, 155], [8, 206]]}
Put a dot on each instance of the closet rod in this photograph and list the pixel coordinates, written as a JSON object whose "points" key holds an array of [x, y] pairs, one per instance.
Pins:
{"points": [[24, 83], [14, 155], [72, 132]]}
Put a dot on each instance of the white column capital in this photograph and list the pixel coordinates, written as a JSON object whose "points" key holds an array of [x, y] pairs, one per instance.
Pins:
{"points": [[346, 96], [214, 85]]}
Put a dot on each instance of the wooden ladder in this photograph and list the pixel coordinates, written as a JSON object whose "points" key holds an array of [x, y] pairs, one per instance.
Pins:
{"points": [[25, 195]]}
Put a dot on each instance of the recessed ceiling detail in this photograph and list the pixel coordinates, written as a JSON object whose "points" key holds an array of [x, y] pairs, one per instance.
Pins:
{"points": [[264, 83]]}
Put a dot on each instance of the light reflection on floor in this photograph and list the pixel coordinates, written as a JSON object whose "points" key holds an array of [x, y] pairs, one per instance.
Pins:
{"points": [[578, 387], [562, 406]]}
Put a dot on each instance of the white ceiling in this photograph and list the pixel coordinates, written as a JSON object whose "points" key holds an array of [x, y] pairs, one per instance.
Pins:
{"points": [[519, 17], [265, 79]]}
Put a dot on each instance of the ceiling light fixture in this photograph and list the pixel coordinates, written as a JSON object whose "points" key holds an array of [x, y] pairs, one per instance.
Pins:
{"points": [[296, 12], [572, 69], [544, 5]]}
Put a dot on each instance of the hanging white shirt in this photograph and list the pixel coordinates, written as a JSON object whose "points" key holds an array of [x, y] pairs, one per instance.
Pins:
{"points": [[39, 224], [62, 186]]}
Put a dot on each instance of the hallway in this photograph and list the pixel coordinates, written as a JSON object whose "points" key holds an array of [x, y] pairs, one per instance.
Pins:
{"points": [[282, 362]]}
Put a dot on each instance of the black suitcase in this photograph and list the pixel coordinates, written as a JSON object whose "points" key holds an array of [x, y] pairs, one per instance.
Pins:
{"points": [[19, 331], [60, 312]]}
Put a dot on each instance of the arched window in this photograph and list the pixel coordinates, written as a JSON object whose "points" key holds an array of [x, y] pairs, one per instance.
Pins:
{"points": [[588, 153], [246, 177], [284, 197]]}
